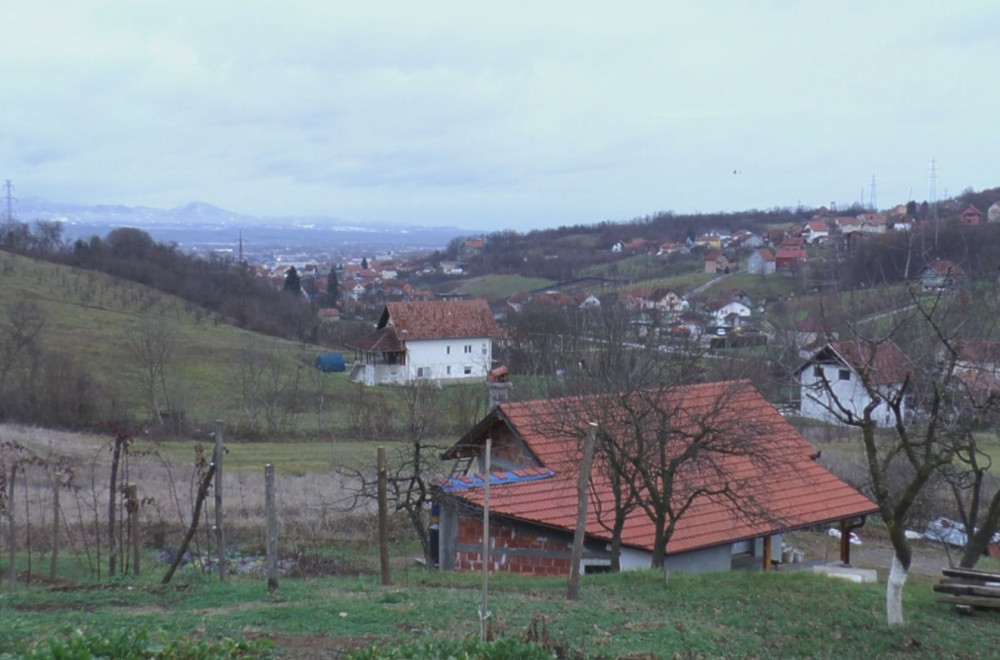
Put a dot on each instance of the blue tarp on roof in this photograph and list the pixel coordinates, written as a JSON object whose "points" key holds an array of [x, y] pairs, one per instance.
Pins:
{"points": [[496, 479]]}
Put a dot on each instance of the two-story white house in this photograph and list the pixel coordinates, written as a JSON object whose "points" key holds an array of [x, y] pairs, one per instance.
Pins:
{"points": [[438, 340], [831, 381], [728, 312]]}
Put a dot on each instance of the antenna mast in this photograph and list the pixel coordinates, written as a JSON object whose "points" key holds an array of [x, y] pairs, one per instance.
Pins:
{"points": [[871, 197], [933, 196], [8, 188]]}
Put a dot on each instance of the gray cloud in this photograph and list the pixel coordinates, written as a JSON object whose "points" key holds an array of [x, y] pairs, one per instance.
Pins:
{"points": [[529, 114]]}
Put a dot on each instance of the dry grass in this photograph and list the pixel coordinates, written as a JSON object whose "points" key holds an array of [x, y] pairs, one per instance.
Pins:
{"points": [[315, 505]]}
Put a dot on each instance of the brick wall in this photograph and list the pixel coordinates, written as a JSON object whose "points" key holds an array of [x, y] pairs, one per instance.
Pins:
{"points": [[522, 549]]}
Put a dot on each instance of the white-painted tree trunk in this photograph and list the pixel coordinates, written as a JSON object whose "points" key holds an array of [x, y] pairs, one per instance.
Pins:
{"points": [[894, 592]]}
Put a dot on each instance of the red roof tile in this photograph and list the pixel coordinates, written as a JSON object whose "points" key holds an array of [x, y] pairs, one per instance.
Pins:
{"points": [[947, 268], [884, 364], [440, 319], [777, 473]]}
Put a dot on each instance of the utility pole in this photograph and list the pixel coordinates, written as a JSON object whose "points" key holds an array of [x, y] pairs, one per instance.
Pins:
{"points": [[933, 196], [8, 189]]}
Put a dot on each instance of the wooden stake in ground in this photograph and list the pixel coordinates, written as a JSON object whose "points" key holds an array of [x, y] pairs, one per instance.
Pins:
{"points": [[272, 529], [199, 500], [54, 474], [11, 529], [220, 538], [383, 517], [132, 507], [484, 613], [573, 584]]}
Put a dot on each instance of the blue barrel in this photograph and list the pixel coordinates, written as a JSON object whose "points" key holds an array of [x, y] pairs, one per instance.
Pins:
{"points": [[330, 362]]}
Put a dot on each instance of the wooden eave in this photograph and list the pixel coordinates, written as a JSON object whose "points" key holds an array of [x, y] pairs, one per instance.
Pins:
{"points": [[471, 444]]}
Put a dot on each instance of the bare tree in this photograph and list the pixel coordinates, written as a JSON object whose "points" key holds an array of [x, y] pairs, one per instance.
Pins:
{"points": [[931, 412], [416, 462], [679, 445], [20, 331], [151, 343], [268, 385]]}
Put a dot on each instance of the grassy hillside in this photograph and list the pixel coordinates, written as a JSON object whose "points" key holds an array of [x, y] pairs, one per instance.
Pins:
{"points": [[494, 287], [89, 318], [740, 614]]}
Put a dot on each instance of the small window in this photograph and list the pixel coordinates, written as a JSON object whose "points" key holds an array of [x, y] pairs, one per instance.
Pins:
{"points": [[448, 369], [468, 370], [845, 374], [468, 348], [818, 371], [447, 350]]}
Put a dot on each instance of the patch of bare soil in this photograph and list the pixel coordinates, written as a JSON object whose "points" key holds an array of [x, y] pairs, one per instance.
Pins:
{"points": [[309, 647]]}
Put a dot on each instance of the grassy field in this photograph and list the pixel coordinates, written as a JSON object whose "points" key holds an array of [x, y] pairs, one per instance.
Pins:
{"points": [[496, 287], [739, 614], [88, 315]]}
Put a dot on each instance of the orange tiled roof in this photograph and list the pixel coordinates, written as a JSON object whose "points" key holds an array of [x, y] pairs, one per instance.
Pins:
{"points": [[948, 268], [885, 364], [440, 319], [777, 471]]}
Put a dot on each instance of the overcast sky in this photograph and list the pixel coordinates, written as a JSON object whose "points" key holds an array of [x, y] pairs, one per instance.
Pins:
{"points": [[497, 115]]}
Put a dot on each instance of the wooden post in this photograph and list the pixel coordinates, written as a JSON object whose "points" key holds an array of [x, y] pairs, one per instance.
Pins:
{"points": [[579, 534], [383, 518], [11, 530], [193, 527], [55, 524], [272, 529], [220, 537], [484, 613], [845, 542], [767, 553], [132, 506]]}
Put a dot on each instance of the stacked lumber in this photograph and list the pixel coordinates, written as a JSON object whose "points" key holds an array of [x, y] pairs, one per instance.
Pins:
{"points": [[968, 589]]}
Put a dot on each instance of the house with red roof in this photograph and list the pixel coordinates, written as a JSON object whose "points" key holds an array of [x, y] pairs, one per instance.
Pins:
{"points": [[440, 340], [830, 380], [788, 258], [761, 262], [716, 261], [971, 215], [941, 274], [815, 231], [739, 503]]}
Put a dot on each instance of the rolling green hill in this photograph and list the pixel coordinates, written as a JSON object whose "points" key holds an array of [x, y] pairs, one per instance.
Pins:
{"points": [[210, 367]]}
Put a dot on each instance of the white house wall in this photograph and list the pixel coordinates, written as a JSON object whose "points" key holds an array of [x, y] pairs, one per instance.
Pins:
{"points": [[448, 359], [816, 401]]}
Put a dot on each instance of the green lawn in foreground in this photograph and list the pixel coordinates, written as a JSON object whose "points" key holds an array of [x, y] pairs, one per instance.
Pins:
{"points": [[740, 614]]}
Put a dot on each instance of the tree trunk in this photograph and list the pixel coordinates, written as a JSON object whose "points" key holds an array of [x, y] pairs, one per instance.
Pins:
{"points": [[116, 455], [659, 548], [616, 545], [193, 527], [894, 592], [978, 541]]}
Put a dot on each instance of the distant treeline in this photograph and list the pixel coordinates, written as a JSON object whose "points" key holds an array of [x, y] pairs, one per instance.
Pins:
{"points": [[568, 252]]}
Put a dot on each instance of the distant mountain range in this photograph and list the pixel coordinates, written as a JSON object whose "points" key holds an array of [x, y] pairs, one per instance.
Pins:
{"points": [[201, 226]]}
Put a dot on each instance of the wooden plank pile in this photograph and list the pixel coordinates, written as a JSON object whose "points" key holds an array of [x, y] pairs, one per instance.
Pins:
{"points": [[968, 589]]}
